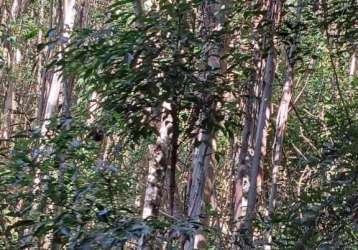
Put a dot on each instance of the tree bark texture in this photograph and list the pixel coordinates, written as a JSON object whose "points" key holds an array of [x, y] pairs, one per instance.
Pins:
{"points": [[212, 23], [273, 16], [281, 122], [68, 17]]}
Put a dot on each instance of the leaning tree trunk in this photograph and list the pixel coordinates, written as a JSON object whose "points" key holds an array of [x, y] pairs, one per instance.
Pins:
{"points": [[243, 154], [273, 16], [281, 122]]}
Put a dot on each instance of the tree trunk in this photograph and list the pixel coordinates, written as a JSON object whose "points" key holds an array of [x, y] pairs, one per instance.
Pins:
{"points": [[66, 11], [163, 154], [241, 171], [160, 153], [243, 156], [8, 110], [68, 17], [212, 22], [353, 65], [13, 56], [159, 162], [281, 122], [40, 81], [273, 15], [264, 115], [173, 163]]}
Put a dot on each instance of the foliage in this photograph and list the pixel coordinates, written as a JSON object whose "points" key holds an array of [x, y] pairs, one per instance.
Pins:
{"points": [[80, 185]]}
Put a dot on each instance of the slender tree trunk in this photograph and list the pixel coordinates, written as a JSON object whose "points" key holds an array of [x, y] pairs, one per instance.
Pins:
{"points": [[159, 163], [160, 152], [66, 12], [173, 163], [8, 110], [163, 153], [15, 7], [281, 122], [40, 81], [138, 11], [241, 171], [353, 65], [273, 15], [14, 57], [243, 156], [212, 22], [68, 17], [264, 114], [2, 7]]}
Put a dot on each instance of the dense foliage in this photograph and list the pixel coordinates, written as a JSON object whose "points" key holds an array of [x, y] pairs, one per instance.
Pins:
{"points": [[81, 183]]}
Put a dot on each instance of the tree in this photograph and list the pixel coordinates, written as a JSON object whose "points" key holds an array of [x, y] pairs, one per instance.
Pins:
{"points": [[67, 22], [147, 124]]}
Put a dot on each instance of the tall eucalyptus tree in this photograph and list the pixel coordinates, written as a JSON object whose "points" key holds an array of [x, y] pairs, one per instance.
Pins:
{"points": [[272, 17], [65, 26], [282, 116], [212, 18]]}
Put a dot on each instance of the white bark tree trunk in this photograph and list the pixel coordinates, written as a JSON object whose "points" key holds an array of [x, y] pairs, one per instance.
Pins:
{"points": [[247, 142], [160, 153], [69, 13], [159, 162]]}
